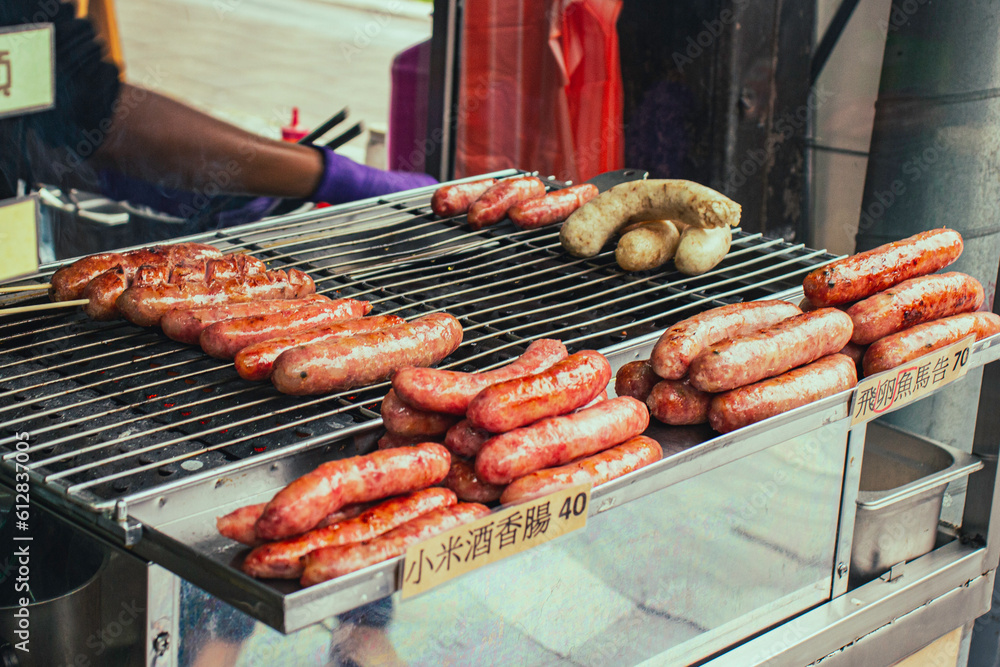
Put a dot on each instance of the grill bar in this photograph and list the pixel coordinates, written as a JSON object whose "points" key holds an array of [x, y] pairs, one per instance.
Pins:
{"points": [[113, 436]]}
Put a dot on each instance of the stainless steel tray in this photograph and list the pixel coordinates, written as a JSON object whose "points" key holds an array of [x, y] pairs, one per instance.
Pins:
{"points": [[186, 541]]}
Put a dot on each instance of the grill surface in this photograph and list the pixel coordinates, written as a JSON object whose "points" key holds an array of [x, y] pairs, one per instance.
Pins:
{"points": [[116, 412]]}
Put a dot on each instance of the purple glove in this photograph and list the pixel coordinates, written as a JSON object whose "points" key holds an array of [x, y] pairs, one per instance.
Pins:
{"points": [[345, 180]]}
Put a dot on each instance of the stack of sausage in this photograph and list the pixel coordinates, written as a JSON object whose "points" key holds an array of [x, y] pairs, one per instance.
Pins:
{"points": [[769, 357], [660, 219], [738, 364], [524, 430], [141, 285], [900, 308], [349, 514], [522, 199], [237, 310]]}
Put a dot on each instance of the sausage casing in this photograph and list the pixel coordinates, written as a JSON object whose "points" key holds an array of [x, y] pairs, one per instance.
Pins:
{"points": [[558, 440], [793, 342], [864, 274], [565, 386], [330, 562], [388, 472], [283, 559], [635, 379], [451, 391], [753, 403], [146, 306], [467, 486], [597, 469], [491, 206], [449, 200], [677, 403], [401, 419], [554, 207], [224, 339], [240, 524], [917, 341], [912, 302], [255, 362], [186, 324], [464, 439], [367, 358], [681, 343], [68, 282]]}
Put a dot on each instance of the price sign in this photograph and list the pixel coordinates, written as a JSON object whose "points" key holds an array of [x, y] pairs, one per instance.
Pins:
{"points": [[899, 386], [18, 238], [487, 540], [27, 69]]}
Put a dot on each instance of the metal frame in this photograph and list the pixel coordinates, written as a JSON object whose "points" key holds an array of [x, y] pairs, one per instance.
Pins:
{"points": [[147, 520]]}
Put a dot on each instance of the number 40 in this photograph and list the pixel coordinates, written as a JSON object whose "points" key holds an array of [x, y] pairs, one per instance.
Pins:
{"points": [[574, 506]]}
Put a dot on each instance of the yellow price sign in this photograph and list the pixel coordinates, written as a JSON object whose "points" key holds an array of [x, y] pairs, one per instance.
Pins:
{"points": [[896, 387], [27, 69], [491, 538], [18, 237]]}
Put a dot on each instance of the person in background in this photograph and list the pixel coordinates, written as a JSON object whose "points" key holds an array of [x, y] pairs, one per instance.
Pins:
{"points": [[105, 135]]}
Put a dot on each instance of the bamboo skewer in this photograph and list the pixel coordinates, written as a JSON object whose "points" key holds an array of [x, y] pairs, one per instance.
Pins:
{"points": [[25, 288], [43, 306]]}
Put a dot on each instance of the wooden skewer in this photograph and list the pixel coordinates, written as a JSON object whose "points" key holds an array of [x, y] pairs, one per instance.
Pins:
{"points": [[43, 306], [25, 288]]}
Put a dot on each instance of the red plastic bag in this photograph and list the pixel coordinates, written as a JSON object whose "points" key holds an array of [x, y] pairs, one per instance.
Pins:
{"points": [[540, 88]]}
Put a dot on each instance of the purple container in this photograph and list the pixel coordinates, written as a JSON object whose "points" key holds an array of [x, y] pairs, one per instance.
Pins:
{"points": [[406, 145]]}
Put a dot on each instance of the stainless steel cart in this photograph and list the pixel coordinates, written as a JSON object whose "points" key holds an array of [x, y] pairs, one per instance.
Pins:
{"points": [[734, 549]]}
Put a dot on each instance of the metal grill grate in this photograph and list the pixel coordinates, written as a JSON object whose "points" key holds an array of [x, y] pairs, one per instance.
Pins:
{"points": [[116, 412]]}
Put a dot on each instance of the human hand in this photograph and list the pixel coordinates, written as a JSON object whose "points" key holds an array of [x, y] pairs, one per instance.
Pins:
{"points": [[345, 180]]}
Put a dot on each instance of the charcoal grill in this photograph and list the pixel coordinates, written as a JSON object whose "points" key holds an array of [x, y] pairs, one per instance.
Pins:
{"points": [[144, 440]]}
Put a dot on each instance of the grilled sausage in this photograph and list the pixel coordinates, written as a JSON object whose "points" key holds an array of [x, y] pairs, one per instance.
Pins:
{"points": [[388, 472], [567, 385], [551, 208], [595, 470], [914, 301], [400, 419], [917, 341], [855, 352], [491, 206], [240, 524], [69, 281], [450, 391], [635, 379], [145, 306], [186, 324], [558, 440], [257, 361], [464, 439], [677, 403], [592, 225], [283, 559], [353, 361], [449, 200], [753, 403], [104, 290], [224, 339], [681, 343], [860, 276], [793, 342], [331, 562], [467, 486]]}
